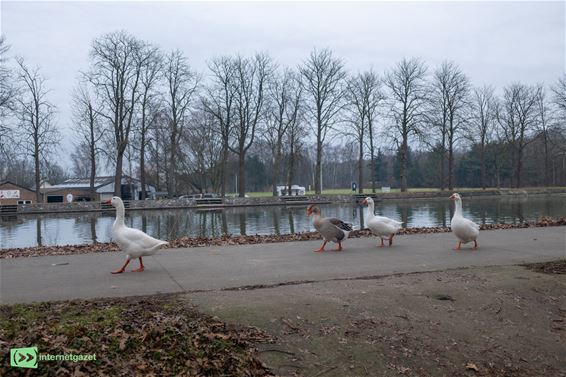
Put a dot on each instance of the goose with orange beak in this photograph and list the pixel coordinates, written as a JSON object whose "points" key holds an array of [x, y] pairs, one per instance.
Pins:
{"points": [[330, 228], [465, 230], [134, 242], [381, 226]]}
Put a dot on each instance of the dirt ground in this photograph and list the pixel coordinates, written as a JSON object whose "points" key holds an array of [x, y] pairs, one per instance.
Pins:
{"points": [[490, 321]]}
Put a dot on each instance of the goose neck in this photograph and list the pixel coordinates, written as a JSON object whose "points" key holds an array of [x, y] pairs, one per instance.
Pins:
{"points": [[458, 207], [120, 214], [371, 210]]}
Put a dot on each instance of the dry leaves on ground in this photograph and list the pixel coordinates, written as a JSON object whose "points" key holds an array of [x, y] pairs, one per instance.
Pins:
{"points": [[158, 335]]}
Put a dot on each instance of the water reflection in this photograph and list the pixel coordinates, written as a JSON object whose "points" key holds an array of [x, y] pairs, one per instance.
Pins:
{"points": [[61, 229], [93, 229], [38, 239], [291, 222]]}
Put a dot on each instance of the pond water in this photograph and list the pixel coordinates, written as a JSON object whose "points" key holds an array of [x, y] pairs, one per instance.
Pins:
{"points": [[63, 229]]}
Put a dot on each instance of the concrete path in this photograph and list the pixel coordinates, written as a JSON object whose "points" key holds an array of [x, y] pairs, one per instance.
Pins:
{"points": [[216, 268]]}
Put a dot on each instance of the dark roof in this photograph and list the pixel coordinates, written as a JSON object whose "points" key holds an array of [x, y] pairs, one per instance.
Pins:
{"points": [[15, 184]]}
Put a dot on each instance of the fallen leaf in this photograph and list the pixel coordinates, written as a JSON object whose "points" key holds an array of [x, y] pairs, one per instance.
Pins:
{"points": [[472, 366]]}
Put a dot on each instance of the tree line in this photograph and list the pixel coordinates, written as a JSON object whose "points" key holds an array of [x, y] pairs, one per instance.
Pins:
{"points": [[248, 123]]}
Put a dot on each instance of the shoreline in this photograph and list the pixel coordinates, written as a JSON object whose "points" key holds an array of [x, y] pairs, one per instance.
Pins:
{"points": [[226, 240], [236, 202]]}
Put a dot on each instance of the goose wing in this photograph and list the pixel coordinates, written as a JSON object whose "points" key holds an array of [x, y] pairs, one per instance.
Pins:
{"points": [[340, 224], [388, 221], [333, 229], [138, 239], [383, 226], [469, 223]]}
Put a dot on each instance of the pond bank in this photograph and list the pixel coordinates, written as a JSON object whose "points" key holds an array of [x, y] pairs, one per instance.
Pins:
{"points": [[230, 202], [230, 240]]}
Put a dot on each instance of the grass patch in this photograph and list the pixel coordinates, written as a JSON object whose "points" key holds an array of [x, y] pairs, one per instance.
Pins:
{"points": [[156, 335]]}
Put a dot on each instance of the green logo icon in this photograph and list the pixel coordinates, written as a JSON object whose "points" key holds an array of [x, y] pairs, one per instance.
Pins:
{"points": [[24, 357]]}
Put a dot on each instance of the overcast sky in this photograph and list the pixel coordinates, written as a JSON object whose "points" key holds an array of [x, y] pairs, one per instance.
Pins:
{"points": [[494, 42]]}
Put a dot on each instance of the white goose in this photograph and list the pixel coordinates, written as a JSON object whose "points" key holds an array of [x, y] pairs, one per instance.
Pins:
{"points": [[466, 230], [134, 242], [381, 226]]}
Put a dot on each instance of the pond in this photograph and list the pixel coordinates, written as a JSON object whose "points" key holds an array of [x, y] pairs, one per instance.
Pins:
{"points": [[67, 228]]}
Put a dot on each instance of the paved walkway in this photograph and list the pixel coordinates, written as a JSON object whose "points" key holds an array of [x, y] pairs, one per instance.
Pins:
{"points": [[216, 268]]}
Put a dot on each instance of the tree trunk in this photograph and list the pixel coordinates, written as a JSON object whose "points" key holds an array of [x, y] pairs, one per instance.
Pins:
{"points": [[482, 166], [118, 174], [157, 180], [223, 166], [451, 154], [403, 167], [450, 165], [242, 173], [172, 164], [442, 161], [361, 167], [37, 176], [372, 157], [142, 164], [519, 167], [291, 168], [546, 161], [318, 167], [276, 168], [92, 168], [92, 151]]}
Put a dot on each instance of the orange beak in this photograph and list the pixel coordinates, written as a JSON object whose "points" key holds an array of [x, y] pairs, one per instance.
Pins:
{"points": [[109, 201], [365, 201], [452, 197], [309, 211]]}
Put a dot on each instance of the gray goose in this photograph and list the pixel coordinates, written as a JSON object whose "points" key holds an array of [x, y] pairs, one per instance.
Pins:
{"points": [[331, 228]]}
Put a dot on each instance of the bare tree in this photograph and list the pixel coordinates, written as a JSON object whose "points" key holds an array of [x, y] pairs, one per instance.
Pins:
{"points": [[38, 133], [157, 145], [8, 93], [296, 133], [204, 147], [544, 126], [450, 90], [284, 101], [250, 78], [374, 98], [407, 95], [364, 96], [358, 114], [323, 85], [219, 102], [481, 126], [149, 104], [116, 61], [517, 116], [182, 84], [86, 116], [559, 98]]}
